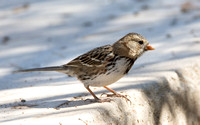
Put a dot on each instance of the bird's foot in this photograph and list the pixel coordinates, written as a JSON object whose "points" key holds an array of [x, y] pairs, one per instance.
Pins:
{"points": [[117, 95]]}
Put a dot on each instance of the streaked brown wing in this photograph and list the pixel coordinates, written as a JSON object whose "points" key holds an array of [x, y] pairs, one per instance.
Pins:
{"points": [[94, 58]]}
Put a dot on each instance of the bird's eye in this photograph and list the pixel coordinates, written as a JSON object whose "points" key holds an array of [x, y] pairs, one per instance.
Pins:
{"points": [[140, 42]]}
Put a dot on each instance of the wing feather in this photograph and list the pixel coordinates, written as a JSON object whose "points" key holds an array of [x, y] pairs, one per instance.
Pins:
{"points": [[94, 58]]}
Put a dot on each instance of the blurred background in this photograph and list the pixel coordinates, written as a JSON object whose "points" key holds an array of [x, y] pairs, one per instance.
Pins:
{"points": [[36, 33]]}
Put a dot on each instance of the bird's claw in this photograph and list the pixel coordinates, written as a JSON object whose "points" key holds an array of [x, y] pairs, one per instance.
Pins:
{"points": [[117, 95]]}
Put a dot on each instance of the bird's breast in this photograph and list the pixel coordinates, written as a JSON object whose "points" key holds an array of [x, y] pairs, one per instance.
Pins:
{"points": [[115, 70]]}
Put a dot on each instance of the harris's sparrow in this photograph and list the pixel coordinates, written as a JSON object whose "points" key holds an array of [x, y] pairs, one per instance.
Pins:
{"points": [[104, 65]]}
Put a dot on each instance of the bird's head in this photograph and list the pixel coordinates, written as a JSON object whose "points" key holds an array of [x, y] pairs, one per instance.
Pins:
{"points": [[132, 45]]}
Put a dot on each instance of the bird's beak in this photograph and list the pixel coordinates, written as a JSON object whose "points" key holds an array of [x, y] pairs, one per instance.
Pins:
{"points": [[148, 47]]}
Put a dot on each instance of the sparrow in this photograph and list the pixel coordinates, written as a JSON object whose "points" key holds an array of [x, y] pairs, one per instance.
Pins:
{"points": [[103, 65]]}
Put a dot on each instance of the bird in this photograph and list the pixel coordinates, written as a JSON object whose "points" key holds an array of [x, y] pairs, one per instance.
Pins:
{"points": [[103, 65]]}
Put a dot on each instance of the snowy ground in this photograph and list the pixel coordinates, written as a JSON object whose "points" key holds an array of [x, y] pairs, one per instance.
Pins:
{"points": [[36, 33]]}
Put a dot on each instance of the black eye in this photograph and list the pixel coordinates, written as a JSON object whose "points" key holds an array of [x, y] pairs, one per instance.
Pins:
{"points": [[140, 42]]}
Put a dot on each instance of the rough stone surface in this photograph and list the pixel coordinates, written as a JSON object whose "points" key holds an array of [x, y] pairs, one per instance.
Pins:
{"points": [[163, 84]]}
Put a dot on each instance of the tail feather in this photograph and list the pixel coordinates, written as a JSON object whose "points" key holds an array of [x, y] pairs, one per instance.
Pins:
{"points": [[53, 68]]}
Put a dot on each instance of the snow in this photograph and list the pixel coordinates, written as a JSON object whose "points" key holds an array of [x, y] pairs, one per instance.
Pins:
{"points": [[36, 33]]}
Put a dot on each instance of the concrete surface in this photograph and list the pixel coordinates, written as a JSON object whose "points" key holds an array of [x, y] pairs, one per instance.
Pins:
{"points": [[163, 85]]}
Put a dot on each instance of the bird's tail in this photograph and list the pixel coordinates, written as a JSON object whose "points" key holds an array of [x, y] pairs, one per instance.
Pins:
{"points": [[53, 68]]}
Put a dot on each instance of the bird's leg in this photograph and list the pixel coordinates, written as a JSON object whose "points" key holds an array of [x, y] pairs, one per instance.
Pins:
{"points": [[116, 94], [95, 97]]}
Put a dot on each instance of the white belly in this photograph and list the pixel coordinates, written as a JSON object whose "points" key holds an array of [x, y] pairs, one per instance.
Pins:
{"points": [[110, 77]]}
